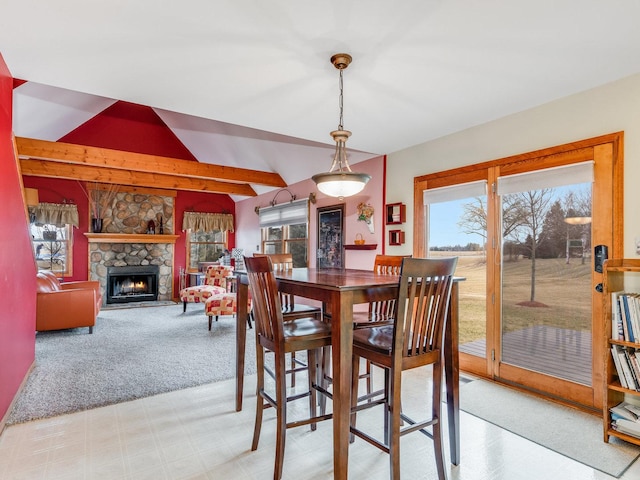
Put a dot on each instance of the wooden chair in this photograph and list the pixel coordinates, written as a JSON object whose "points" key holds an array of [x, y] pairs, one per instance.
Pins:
{"points": [[414, 340], [378, 312], [290, 309], [275, 335]]}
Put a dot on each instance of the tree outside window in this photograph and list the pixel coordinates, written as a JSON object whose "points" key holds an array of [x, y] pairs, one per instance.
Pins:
{"points": [[52, 247], [291, 239], [205, 247]]}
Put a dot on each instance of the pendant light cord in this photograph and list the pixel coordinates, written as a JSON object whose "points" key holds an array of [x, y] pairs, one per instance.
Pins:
{"points": [[341, 101]]}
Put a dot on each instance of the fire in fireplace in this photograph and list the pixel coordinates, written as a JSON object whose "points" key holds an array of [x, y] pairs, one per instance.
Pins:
{"points": [[132, 284]]}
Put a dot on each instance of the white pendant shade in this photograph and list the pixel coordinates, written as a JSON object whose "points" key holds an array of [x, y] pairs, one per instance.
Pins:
{"points": [[341, 184]]}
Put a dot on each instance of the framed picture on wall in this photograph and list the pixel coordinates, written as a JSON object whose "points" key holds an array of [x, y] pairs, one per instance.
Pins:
{"points": [[330, 253]]}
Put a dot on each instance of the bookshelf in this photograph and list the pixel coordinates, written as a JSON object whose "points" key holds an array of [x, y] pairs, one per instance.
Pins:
{"points": [[616, 388]]}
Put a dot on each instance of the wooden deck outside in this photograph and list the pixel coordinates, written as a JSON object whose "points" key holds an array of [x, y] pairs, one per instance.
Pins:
{"points": [[558, 352]]}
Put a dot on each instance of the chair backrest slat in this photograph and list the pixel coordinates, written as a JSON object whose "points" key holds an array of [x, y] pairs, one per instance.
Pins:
{"points": [[281, 262], [386, 265], [422, 305], [267, 310]]}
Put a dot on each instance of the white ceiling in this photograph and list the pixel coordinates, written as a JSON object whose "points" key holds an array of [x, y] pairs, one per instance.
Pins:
{"points": [[422, 68]]}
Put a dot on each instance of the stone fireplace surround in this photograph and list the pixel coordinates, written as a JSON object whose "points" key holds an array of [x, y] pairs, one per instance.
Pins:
{"points": [[124, 240]]}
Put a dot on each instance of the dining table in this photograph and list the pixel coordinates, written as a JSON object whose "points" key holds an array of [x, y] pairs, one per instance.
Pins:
{"points": [[340, 290]]}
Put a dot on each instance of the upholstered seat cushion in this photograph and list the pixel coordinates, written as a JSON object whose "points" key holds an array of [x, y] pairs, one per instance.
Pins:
{"points": [[200, 293]]}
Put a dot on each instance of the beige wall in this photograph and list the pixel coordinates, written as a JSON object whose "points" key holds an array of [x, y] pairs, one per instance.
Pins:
{"points": [[610, 108]]}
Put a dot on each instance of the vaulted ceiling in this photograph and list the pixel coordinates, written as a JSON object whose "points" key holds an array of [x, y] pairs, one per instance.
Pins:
{"points": [[249, 85]]}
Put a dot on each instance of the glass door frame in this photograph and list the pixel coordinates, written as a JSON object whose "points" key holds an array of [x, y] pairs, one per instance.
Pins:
{"points": [[607, 229]]}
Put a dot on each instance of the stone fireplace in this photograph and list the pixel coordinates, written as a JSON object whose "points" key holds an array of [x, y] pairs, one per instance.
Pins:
{"points": [[126, 246]]}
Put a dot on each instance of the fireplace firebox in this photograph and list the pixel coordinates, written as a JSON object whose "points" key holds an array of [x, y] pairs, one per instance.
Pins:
{"points": [[132, 284]]}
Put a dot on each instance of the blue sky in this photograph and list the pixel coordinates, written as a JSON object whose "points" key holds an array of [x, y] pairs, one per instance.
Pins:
{"points": [[444, 217]]}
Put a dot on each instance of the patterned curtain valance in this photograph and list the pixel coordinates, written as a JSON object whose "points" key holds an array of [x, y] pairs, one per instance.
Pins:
{"points": [[207, 222], [58, 214]]}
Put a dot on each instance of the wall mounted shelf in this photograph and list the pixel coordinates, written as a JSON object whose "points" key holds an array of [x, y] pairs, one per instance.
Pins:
{"points": [[366, 246], [395, 213], [396, 237]]}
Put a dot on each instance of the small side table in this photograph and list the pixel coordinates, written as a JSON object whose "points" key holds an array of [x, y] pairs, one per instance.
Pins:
{"points": [[196, 279]]}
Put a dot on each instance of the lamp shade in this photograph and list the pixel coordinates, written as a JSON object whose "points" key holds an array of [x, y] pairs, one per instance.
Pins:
{"points": [[341, 184]]}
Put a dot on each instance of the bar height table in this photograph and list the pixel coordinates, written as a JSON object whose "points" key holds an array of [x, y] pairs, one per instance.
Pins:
{"points": [[341, 289]]}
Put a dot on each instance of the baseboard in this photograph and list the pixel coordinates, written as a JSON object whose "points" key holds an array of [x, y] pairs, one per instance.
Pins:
{"points": [[5, 417]]}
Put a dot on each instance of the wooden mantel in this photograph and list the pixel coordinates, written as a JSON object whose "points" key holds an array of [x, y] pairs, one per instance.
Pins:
{"points": [[130, 238]]}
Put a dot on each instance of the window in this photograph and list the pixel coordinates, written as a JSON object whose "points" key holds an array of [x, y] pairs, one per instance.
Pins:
{"points": [[52, 247], [285, 229], [205, 247], [51, 231], [206, 236], [287, 239]]}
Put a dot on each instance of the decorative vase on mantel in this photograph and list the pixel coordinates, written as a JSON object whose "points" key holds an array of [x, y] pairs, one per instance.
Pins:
{"points": [[96, 225]]}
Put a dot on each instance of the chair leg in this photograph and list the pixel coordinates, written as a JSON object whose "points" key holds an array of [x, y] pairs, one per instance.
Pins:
{"points": [[311, 374], [210, 319], [323, 376], [355, 379], [293, 367], [184, 307], [387, 409], [281, 415], [395, 385], [249, 320], [436, 410], [259, 401], [368, 378]]}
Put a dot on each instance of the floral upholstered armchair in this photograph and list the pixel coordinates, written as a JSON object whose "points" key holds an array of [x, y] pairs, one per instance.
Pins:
{"points": [[215, 281]]}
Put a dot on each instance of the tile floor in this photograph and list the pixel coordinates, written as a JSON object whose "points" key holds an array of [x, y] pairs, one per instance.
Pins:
{"points": [[196, 434]]}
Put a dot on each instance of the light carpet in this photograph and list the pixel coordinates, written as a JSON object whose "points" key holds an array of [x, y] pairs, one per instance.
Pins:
{"points": [[132, 353], [570, 432]]}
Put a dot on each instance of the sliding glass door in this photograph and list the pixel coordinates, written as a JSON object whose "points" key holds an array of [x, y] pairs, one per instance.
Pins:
{"points": [[530, 309], [546, 272]]}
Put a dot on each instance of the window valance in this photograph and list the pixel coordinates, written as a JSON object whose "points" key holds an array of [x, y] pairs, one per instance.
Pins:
{"points": [[58, 214], [207, 222]]}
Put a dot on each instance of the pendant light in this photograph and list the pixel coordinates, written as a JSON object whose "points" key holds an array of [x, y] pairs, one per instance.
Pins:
{"points": [[340, 181]]}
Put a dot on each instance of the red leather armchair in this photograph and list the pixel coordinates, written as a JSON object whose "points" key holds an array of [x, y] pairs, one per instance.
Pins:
{"points": [[66, 305]]}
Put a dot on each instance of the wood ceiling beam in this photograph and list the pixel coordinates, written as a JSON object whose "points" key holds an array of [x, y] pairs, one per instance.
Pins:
{"points": [[50, 169], [118, 159]]}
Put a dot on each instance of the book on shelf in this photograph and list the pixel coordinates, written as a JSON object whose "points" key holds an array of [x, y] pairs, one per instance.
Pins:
{"points": [[625, 316], [627, 426], [629, 336], [634, 299], [626, 374], [618, 365], [624, 410], [617, 331], [630, 355]]}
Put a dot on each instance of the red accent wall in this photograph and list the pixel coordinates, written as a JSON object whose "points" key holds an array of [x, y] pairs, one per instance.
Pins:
{"points": [[132, 128], [54, 190], [197, 202], [18, 281]]}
